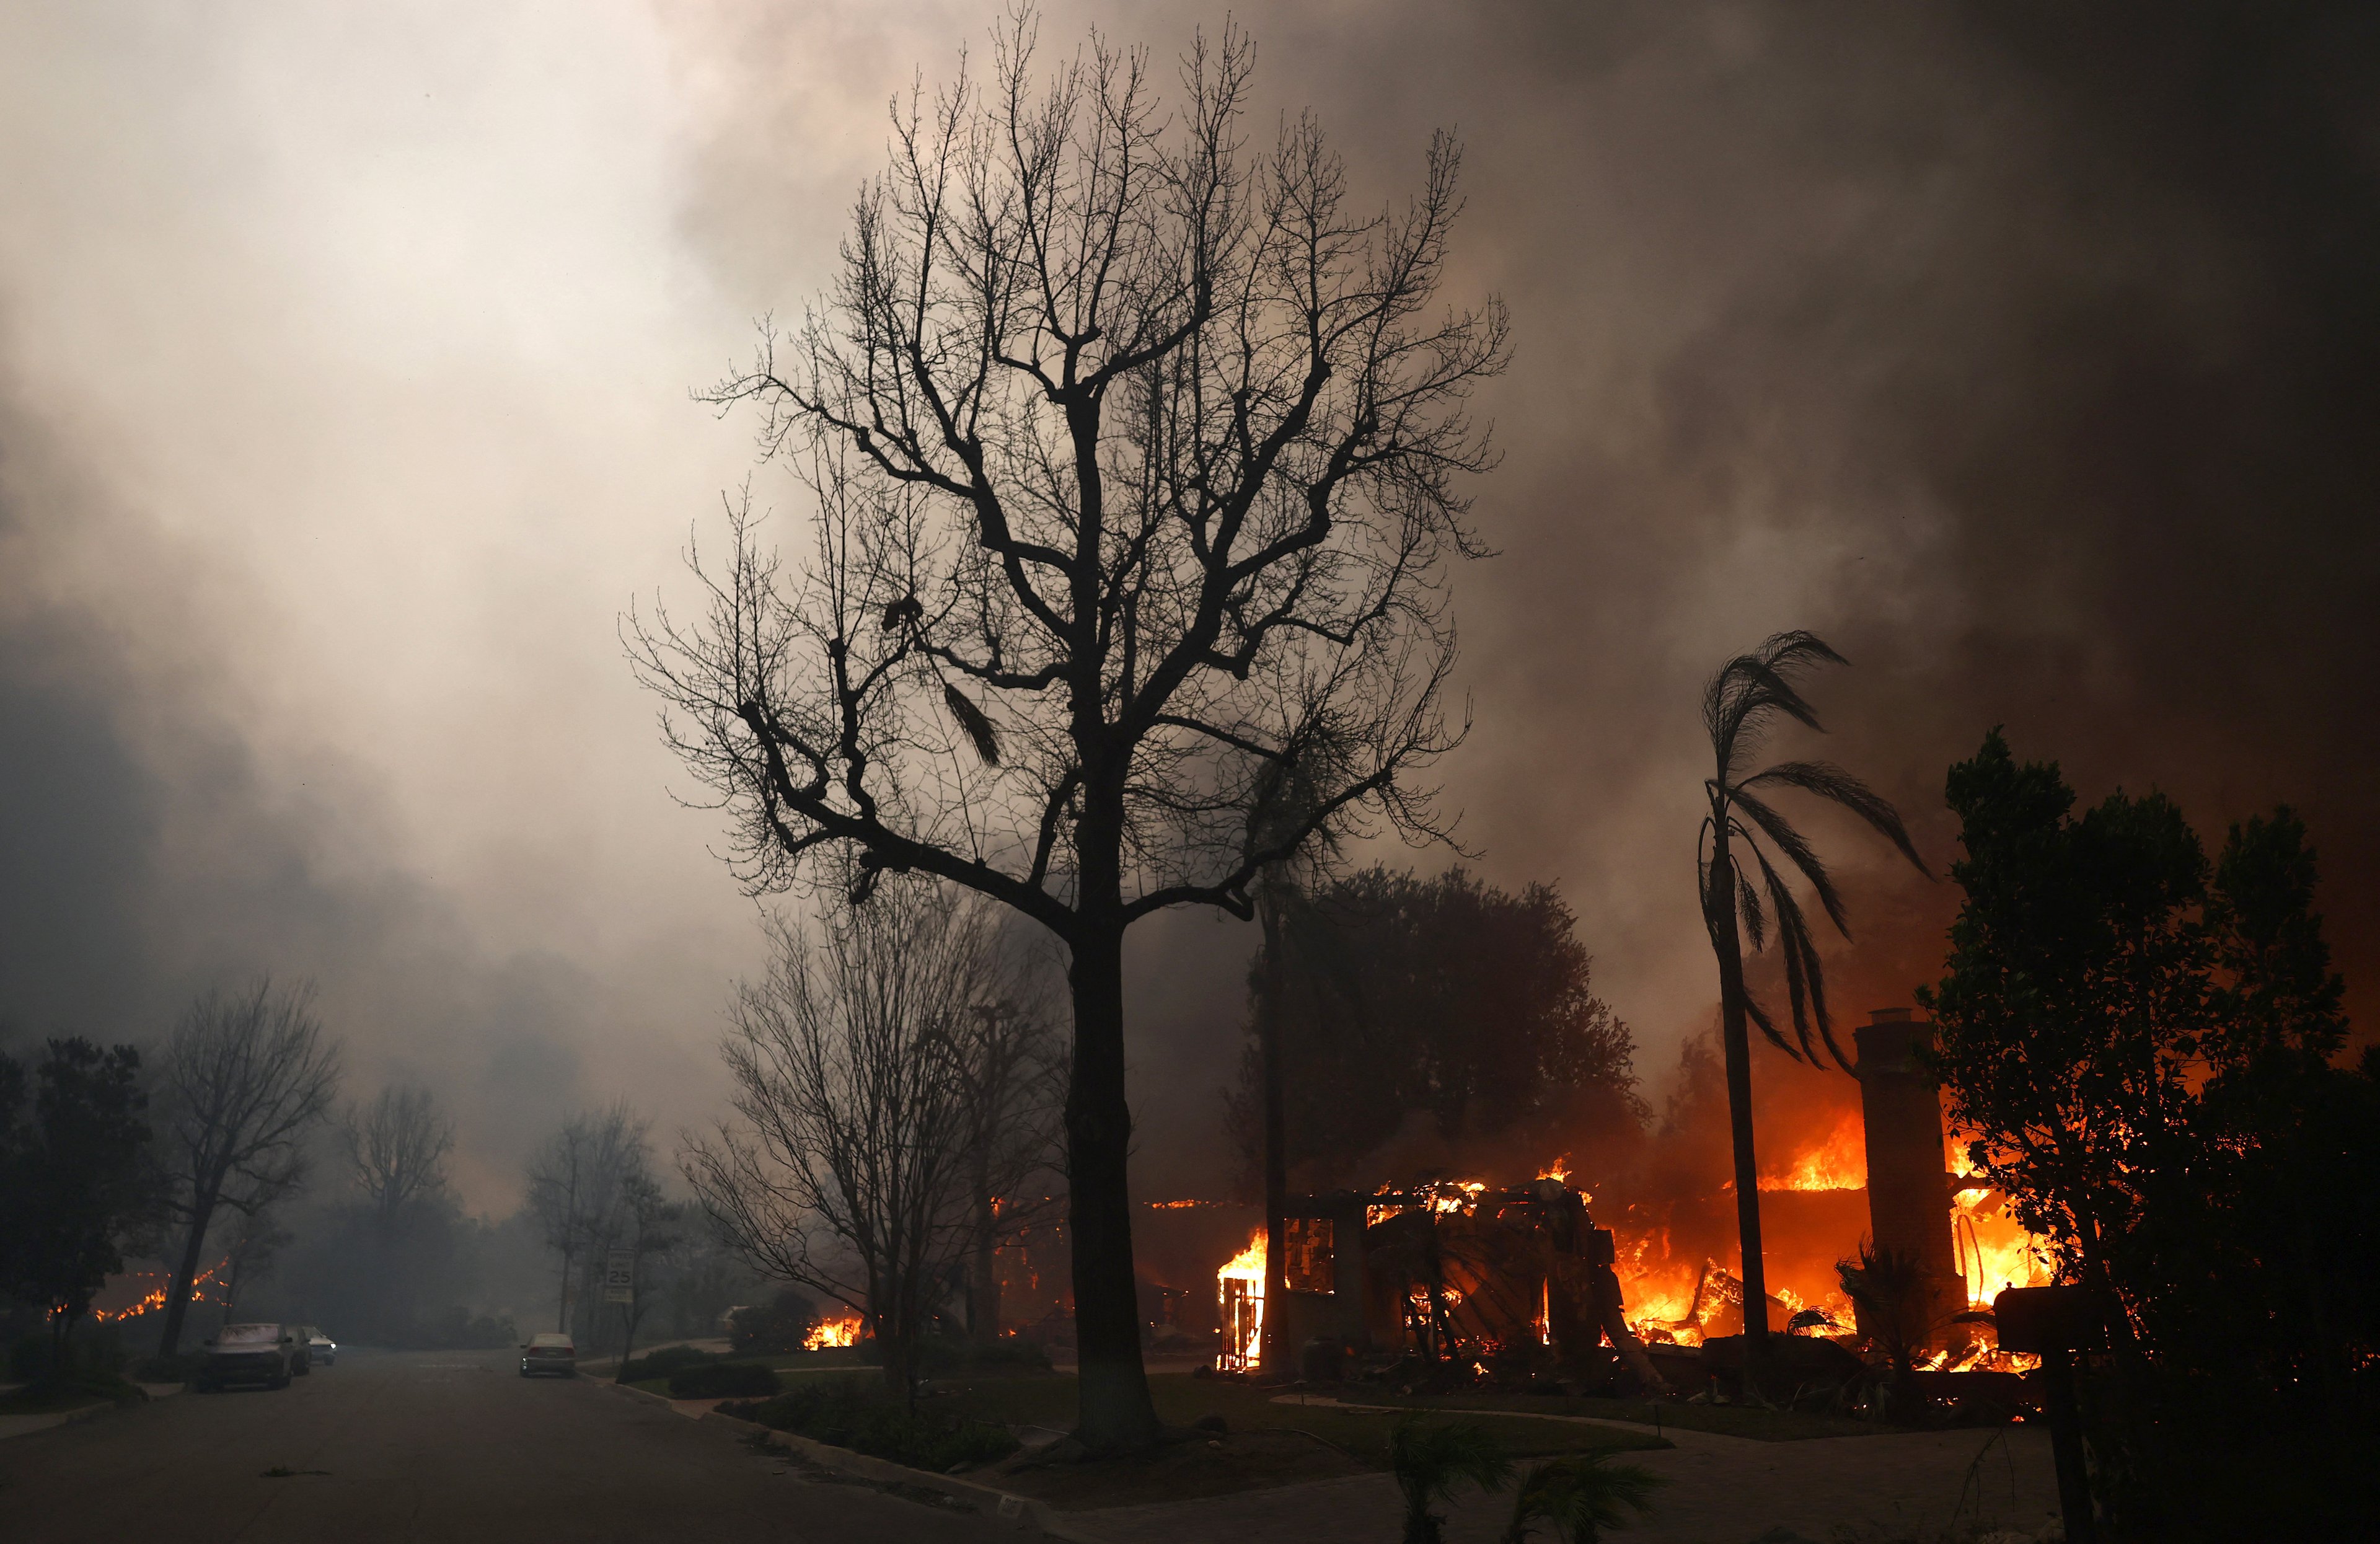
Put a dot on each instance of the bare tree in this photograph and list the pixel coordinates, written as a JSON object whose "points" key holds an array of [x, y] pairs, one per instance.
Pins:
{"points": [[649, 1225], [257, 1239], [575, 1189], [243, 1077], [1137, 457], [849, 1171], [1013, 1087], [396, 1150]]}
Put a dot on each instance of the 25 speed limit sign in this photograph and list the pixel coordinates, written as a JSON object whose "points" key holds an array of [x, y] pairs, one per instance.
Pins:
{"points": [[620, 1276]]}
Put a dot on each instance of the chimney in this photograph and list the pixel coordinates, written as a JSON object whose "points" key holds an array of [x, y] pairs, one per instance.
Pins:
{"points": [[1908, 1185]]}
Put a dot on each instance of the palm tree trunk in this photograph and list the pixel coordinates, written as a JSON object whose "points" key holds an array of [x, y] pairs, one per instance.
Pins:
{"points": [[1735, 1045]]}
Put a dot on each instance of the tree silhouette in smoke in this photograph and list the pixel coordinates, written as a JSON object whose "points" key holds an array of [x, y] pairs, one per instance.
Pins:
{"points": [[1136, 460], [1738, 705]]}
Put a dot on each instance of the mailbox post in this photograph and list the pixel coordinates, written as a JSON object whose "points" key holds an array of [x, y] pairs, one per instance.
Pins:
{"points": [[2053, 1323]]}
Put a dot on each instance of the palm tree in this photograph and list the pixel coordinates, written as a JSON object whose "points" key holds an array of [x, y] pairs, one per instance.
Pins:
{"points": [[1581, 1496], [1889, 1288], [1738, 705], [1430, 1459]]}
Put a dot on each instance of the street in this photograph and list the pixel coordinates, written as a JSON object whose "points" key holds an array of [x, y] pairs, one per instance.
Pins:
{"points": [[432, 1445]]}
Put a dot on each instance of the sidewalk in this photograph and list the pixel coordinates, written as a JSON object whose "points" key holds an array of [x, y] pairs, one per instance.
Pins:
{"points": [[23, 1426]]}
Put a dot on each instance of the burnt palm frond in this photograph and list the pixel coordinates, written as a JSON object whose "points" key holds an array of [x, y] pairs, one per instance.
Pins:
{"points": [[1747, 901], [1751, 687], [1799, 853], [1837, 787], [1760, 1020], [1805, 976]]}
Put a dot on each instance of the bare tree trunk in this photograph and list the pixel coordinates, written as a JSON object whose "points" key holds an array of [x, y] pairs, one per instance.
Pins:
{"points": [[562, 1307], [178, 1292], [1116, 1413], [1273, 1356]]}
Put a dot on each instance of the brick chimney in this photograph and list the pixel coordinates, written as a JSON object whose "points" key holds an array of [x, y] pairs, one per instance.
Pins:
{"points": [[1908, 1185]]}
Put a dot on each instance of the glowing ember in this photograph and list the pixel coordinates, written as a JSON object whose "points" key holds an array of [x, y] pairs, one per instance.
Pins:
{"points": [[833, 1332], [1241, 1284], [156, 1296], [1179, 1206]]}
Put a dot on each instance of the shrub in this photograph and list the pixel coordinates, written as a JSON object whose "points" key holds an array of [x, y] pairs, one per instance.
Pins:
{"points": [[722, 1380], [662, 1363], [855, 1413]]}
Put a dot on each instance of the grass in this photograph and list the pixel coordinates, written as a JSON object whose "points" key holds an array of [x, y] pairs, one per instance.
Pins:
{"points": [[1260, 1443], [1725, 1420]]}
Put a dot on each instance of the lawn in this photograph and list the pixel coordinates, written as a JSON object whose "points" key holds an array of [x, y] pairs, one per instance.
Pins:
{"points": [[1725, 1420], [1263, 1443]]}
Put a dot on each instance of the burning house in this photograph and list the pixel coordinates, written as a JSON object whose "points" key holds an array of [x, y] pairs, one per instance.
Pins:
{"points": [[1516, 1277]]}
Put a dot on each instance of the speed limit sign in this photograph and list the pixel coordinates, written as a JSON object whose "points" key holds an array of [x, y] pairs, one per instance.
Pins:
{"points": [[620, 1276]]}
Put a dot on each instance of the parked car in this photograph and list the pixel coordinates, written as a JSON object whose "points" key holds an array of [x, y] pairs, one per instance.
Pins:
{"points": [[321, 1349], [550, 1355], [266, 1354]]}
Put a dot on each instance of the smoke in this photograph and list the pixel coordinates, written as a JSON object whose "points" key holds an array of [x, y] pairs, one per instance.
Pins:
{"points": [[2021, 352]]}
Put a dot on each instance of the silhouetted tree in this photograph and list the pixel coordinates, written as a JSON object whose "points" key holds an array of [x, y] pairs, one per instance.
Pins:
{"points": [[850, 1169], [575, 1189], [1135, 458], [1738, 706], [75, 1179], [2137, 1049], [1392, 997], [244, 1077], [396, 1149]]}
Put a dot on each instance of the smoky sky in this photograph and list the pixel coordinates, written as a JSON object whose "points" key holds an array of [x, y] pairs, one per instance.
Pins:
{"points": [[2026, 352]]}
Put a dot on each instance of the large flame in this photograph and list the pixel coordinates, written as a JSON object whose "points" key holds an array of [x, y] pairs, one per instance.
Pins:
{"points": [[1837, 1162], [1240, 1287], [832, 1333]]}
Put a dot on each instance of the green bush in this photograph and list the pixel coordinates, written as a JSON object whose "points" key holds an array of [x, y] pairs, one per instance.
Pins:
{"points": [[722, 1380], [662, 1363], [855, 1413]]}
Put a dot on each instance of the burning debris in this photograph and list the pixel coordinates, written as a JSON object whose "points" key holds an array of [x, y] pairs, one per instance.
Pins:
{"points": [[1454, 1277]]}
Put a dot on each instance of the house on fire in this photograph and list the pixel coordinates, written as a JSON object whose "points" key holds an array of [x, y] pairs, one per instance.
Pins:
{"points": [[1516, 1277]]}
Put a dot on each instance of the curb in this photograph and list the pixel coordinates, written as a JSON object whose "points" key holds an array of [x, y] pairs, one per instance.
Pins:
{"points": [[991, 1502], [1041, 1516], [65, 1417]]}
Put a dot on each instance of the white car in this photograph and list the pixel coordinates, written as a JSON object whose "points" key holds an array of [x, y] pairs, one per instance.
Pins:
{"points": [[324, 1350]]}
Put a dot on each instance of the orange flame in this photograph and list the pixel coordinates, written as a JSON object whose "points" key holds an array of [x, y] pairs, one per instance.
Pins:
{"points": [[1240, 1285], [833, 1332], [1839, 1162]]}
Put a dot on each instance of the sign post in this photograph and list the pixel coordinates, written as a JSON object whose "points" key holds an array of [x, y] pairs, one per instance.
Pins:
{"points": [[2054, 1323]]}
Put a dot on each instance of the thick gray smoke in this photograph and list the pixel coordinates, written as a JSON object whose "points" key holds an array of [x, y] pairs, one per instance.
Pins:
{"points": [[2025, 352]]}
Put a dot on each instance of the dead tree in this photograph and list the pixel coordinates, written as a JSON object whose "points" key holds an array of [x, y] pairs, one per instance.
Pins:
{"points": [[1012, 1090], [244, 1077], [396, 1150], [577, 1184], [849, 1171], [1135, 458]]}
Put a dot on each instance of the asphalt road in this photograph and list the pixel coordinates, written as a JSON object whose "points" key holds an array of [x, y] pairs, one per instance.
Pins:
{"points": [[448, 1446]]}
